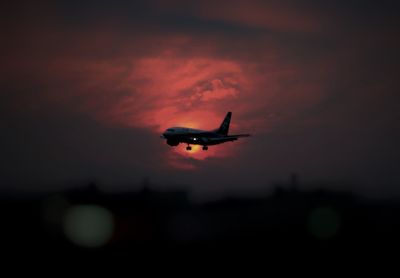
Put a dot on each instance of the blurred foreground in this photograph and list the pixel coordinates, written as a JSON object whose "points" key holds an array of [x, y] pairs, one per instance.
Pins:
{"points": [[89, 220]]}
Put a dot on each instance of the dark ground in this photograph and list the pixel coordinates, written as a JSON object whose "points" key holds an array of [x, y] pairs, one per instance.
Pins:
{"points": [[289, 220]]}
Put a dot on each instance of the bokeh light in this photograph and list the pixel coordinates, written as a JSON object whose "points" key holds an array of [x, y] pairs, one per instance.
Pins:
{"points": [[324, 223], [89, 225]]}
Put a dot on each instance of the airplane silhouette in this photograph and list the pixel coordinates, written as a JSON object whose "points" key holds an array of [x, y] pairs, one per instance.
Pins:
{"points": [[176, 135]]}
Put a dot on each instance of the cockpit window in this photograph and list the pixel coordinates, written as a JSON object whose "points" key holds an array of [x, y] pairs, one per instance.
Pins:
{"points": [[170, 129]]}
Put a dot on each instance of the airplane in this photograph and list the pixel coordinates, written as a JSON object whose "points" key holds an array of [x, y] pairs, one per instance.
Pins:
{"points": [[190, 136]]}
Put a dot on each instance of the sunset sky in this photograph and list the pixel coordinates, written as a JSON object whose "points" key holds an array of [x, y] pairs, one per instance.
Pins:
{"points": [[87, 87]]}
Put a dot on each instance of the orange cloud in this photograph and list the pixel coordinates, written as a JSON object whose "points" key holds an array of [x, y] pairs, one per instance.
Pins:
{"points": [[170, 90]]}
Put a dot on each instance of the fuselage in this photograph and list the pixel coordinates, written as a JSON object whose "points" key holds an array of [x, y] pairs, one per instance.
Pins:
{"points": [[191, 136]]}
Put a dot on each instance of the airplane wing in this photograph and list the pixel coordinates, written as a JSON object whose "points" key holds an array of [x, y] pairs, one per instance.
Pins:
{"points": [[239, 135], [226, 138], [207, 138]]}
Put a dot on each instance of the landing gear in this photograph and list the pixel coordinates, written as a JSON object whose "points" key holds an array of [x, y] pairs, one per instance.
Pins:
{"points": [[188, 148], [205, 148]]}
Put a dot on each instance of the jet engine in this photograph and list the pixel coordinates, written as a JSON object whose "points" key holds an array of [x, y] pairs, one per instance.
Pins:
{"points": [[172, 142]]}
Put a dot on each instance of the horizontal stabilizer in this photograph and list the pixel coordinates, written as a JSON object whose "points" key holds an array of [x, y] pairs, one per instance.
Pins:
{"points": [[240, 135]]}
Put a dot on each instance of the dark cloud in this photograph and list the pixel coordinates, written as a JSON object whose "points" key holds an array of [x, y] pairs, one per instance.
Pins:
{"points": [[51, 148]]}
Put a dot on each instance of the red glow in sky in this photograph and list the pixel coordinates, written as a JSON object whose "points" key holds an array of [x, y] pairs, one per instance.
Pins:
{"points": [[181, 81], [155, 80], [169, 90], [93, 85]]}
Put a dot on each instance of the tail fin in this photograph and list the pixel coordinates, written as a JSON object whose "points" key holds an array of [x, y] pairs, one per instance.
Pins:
{"points": [[224, 128]]}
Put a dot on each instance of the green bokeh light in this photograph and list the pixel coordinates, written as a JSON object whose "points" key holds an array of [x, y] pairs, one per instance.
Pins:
{"points": [[324, 223], [88, 225]]}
